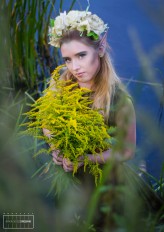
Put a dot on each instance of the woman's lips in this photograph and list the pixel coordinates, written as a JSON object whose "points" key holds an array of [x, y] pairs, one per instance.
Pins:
{"points": [[79, 74]]}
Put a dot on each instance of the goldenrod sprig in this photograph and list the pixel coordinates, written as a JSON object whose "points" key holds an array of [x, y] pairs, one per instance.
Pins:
{"points": [[76, 129]]}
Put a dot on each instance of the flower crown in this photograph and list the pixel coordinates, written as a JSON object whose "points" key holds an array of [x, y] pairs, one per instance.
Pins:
{"points": [[75, 20]]}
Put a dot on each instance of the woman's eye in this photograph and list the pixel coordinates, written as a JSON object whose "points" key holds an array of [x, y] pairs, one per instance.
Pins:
{"points": [[67, 60], [82, 55]]}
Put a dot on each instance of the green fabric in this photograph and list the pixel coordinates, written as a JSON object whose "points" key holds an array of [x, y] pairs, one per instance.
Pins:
{"points": [[118, 100]]}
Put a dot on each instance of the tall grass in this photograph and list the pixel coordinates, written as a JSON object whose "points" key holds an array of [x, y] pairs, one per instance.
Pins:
{"points": [[30, 55], [24, 65]]}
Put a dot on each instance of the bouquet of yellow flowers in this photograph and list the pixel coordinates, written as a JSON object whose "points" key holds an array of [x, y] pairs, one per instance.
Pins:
{"points": [[75, 128]]}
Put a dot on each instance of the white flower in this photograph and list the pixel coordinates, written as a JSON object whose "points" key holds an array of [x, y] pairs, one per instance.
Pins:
{"points": [[75, 20], [50, 30], [72, 18], [97, 25], [54, 42], [84, 14], [84, 26], [60, 23]]}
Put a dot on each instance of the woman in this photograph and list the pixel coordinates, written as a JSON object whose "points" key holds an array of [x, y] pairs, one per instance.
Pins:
{"points": [[88, 63], [81, 37]]}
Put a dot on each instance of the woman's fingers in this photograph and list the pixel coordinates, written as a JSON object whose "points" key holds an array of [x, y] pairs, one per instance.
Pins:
{"points": [[57, 162], [80, 164], [56, 158], [67, 165]]}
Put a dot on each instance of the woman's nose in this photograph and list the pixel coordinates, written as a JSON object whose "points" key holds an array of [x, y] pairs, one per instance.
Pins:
{"points": [[75, 65]]}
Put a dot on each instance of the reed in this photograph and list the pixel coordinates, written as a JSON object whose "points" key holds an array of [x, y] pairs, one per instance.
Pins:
{"points": [[30, 55]]}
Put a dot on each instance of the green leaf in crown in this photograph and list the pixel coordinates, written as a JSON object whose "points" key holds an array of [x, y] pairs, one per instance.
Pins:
{"points": [[93, 35]]}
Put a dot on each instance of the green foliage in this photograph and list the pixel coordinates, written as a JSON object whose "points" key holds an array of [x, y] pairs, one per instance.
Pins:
{"points": [[93, 34], [61, 180], [158, 184], [52, 22], [30, 55], [75, 128]]}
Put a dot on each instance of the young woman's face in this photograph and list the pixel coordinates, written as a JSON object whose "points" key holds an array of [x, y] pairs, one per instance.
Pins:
{"points": [[82, 61]]}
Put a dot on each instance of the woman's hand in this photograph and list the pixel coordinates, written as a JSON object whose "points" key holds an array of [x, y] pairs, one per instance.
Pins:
{"points": [[56, 158], [65, 162], [68, 165]]}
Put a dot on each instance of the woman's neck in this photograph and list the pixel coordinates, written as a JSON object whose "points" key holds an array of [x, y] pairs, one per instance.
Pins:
{"points": [[85, 85]]}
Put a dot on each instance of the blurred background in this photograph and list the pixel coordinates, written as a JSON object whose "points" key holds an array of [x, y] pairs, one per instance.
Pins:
{"points": [[136, 38]]}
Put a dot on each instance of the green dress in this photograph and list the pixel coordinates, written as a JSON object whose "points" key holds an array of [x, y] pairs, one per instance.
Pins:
{"points": [[121, 199], [123, 195]]}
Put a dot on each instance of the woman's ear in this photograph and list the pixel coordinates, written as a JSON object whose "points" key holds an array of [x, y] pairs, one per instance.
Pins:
{"points": [[103, 45]]}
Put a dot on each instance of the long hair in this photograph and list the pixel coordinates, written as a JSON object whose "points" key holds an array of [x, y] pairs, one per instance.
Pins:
{"points": [[106, 79]]}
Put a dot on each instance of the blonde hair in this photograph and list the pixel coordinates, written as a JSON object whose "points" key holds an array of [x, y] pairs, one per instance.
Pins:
{"points": [[106, 79]]}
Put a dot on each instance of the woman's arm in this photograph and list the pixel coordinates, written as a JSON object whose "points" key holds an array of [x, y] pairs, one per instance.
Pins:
{"points": [[126, 136], [126, 123]]}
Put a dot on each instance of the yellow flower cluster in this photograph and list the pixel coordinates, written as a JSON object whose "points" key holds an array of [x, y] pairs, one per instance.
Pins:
{"points": [[76, 129]]}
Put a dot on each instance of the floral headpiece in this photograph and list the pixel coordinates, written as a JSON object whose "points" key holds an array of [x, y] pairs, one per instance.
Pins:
{"points": [[75, 20]]}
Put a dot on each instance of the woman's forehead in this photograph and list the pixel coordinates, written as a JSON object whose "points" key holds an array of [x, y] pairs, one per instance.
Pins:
{"points": [[74, 46]]}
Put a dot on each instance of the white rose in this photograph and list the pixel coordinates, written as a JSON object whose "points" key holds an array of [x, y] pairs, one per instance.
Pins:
{"points": [[96, 24], [50, 30], [59, 32], [55, 32], [72, 18], [84, 14], [60, 23], [54, 42], [84, 26]]}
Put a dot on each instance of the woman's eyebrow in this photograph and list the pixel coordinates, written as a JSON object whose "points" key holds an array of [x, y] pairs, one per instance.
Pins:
{"points": [[65, 57], [77, 54]]}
